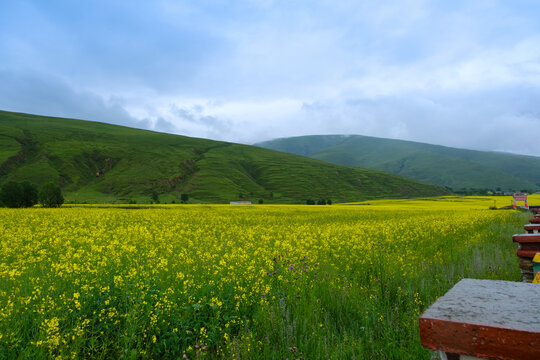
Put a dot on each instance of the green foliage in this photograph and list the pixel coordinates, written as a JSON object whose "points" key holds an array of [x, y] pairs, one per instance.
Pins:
{"points": [[29, 194], [97, 162], [184, 198], [15, 195], [50, 195], [11, 195], [455, 168]]}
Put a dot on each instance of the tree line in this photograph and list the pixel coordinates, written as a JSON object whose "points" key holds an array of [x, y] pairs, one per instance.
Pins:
{"points": [[320, 202], [25, 194]]}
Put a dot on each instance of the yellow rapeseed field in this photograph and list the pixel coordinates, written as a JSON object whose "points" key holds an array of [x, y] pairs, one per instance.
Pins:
{"points": [[272, 281]]}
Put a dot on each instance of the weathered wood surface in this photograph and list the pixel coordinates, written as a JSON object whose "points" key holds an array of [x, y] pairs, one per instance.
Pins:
{"points": [[485, 319]]}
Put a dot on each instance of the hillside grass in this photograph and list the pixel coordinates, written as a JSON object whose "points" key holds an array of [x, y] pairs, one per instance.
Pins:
{"points": [[445, 166], [97, 162]]}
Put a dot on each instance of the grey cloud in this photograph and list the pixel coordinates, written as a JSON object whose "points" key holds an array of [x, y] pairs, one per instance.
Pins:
{"points": [[500, 119], [43, 95], [213, 126], [165, 126]]}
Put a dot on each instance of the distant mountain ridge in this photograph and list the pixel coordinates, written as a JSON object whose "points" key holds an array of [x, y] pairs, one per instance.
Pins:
{"points": [[100, 162], [445, 166]]}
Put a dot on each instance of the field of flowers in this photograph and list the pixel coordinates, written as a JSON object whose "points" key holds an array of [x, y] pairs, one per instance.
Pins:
{"points": [[240, 282]]}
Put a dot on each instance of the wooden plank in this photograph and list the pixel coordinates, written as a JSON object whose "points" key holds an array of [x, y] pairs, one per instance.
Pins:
{"points": [[526, 238], [486, 319]]}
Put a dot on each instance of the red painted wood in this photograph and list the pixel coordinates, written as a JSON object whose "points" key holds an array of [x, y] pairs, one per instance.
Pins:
{"points": [[531, 227], [526, 238], [478, 340], [535, 221], [526, 254]]}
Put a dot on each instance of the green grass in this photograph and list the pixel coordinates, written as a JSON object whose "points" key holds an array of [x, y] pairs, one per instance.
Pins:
{"points": [[251, 282], [94, 161], [8, 148], [381, 321], [445, 166]]}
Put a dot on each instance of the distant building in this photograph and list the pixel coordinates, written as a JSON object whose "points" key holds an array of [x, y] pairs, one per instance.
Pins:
{"points": [[240, 203]]}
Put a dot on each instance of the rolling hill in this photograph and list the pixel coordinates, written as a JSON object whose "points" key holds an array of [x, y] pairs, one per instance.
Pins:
{"points": [[98, 162], [455, 168]]}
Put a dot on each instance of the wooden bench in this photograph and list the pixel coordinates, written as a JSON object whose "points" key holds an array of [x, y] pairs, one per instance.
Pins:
{"points": [[486, 319], [532, 228]]}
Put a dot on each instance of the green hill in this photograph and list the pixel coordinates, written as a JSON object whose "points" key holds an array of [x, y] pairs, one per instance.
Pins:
{"points": [[100, 162], [445, 166]]}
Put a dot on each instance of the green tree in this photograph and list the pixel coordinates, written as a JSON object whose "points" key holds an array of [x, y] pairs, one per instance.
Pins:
{"points": [[184, 198], [50, 195], [29, 194], [11, 194], [155, 197]]}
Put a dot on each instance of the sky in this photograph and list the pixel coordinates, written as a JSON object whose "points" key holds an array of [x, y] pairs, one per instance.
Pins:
{"points": [[457, 73]]}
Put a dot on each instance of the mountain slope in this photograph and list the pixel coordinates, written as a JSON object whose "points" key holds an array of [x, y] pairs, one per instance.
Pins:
{"points": [[94, 161], [445, 166]]}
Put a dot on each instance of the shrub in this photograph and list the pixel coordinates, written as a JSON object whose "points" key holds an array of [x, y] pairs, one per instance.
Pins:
{"points": [[50, 195]]}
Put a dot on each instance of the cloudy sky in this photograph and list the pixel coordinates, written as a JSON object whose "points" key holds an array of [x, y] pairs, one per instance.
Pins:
{"points": [[459, 73]]}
